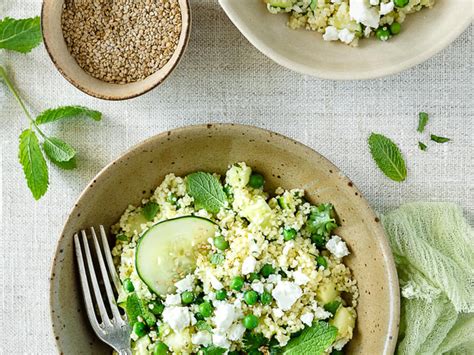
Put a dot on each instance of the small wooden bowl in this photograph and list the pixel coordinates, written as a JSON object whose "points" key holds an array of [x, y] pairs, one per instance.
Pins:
{"points": [[56, 47]]}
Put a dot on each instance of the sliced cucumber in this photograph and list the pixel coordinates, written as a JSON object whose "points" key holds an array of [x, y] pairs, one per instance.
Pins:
{"points": [[168, 250]]}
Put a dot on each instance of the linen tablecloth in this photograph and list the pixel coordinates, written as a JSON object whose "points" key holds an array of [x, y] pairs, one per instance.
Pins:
{"points": [[222, 78]]}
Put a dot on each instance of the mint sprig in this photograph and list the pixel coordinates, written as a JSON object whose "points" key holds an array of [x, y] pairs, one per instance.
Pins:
{"points": [[388, 157], [20, 35], [31, 151], [207, 191], [64, 112], [313, 340]]}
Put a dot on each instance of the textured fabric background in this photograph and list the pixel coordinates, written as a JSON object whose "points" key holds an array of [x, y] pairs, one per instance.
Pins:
{"points": [[222, 78]]}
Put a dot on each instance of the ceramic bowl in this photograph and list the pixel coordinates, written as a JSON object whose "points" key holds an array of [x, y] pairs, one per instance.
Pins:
{"points": [[68, 67], [283, 162], [423, 35]]}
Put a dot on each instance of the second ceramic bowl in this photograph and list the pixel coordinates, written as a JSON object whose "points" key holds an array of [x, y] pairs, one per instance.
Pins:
{"points": [[283, 162], [424, 34]]}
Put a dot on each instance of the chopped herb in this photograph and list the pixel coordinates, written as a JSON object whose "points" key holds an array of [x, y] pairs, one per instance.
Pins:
{"points": [[422, 146], [422, 121], [150, 210], [217, 258], [439, 139]]}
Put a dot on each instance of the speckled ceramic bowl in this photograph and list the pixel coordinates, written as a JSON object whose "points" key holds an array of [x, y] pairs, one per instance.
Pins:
{"points": [[284, 162], [56, 47], [424, 34]]}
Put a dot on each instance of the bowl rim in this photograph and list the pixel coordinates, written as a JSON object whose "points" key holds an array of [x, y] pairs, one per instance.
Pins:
{"points": [[392, 276], [343, 75], [185, 25]]}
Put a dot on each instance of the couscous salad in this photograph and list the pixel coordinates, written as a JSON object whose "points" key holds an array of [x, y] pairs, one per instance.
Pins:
{"points": [[213, 265], [348, 20]]}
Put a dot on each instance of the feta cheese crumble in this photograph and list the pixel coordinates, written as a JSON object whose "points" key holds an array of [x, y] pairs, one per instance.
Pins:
{"points": [[337, 247], [286, 294]]}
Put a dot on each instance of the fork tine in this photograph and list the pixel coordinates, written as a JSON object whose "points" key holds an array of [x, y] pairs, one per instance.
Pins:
{"points": [[85, 287], [109, 260], [105, 277], [95, 284]]}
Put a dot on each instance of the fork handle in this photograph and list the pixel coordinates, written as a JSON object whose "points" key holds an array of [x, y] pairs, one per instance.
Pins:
{"points": [[125, 352]]}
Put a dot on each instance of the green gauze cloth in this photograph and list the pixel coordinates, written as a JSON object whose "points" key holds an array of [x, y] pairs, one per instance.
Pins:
{"points": [[433, 247]]}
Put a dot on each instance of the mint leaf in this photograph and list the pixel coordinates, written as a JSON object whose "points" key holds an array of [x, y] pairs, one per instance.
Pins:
{"points": [[439, 139], [422, 146], [422, 121], [57, 150], [135, 307], [150, 210], [34, 165], [20, 35], [212, 350], [207, 191], [64, 112], [313, 340], [388, 157], [67, 165]]}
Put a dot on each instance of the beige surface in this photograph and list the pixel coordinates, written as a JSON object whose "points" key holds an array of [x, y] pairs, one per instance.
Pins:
{"points": [[423, 35], [68, 67], [283, 162], [222, 78]]}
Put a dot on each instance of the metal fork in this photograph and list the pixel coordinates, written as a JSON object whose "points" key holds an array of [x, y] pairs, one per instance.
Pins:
{"points": [[113, 331]]}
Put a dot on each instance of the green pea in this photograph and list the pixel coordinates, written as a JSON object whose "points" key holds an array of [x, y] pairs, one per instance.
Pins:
{"points": [[160, 349], [266, 298], [321, 261], [253, 276], [237, 283], [139, 329], [267, 270], [187, 297], [395, 28], [401, 3], [382, 33], [289, 233], [128, 285], [250, 297], [250, 321], [221, 295], [318, 240], [156, 307], [221, 243], [256, 181], [332, 306], [206, 309]]}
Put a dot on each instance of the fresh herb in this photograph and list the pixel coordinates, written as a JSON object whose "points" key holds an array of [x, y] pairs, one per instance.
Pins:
{"points": [[212, 350], [30, 154], [321, 223], [135, 307], [217, 258], [332, 307], [203, 326], [313, 4], [422, 121], [122, 238], [422, 146], [20, 35], [439, 139], [150, 210], [64, 112], [388, 157], [313, 340], [207, 191], [253, 341]]}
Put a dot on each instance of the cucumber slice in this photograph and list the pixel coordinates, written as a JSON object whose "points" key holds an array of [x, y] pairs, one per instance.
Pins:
{"points": [[168, 250]]}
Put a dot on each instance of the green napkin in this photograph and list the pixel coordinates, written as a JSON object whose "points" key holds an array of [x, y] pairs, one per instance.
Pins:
{"points": [[433, 247]]}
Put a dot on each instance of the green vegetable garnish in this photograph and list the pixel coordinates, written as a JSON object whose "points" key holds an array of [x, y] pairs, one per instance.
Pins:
{"points": [[267, 270], [135, 307], [217, 258], [332, 307], [401, 3], [256, 181], [156, 307], [160, 349], [250, 297], [128, 285], [266, 298], [422, 146], [250, 321], [139, 329], [395, 28], [321, 223], [150, 210], [237, 283], [289, 234], [388, 157], [207, 191], [220, 243], [439, 139], [20, 35], [221, 295], [382, 33], [187, 297], [212, 350], [422, 121], [313, 340], [206, 309], [321, 261]]}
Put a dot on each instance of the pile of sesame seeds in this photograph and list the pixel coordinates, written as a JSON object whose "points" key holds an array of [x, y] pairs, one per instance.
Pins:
{"points": [[121, 41]]}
